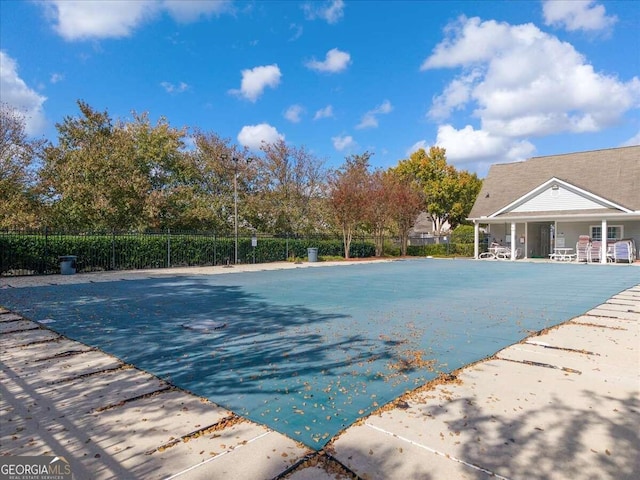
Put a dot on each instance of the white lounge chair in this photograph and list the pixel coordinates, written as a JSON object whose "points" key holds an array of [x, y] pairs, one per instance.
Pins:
{"points": [[490, 253], [594, 251], [624, 251], [582, 248]]}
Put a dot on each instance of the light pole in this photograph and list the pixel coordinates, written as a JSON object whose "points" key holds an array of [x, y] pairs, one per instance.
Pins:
{"points": [[224, 156]]}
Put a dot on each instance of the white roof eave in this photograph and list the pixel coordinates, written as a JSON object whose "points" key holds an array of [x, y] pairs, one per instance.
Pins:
{"points": [[579, 217]]}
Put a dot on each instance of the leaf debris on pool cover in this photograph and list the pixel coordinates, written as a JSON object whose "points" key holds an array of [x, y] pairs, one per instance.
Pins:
{"points": [[310, 351]]}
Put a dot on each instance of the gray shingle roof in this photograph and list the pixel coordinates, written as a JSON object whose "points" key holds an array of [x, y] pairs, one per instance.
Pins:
{"points": [[613, 174]]}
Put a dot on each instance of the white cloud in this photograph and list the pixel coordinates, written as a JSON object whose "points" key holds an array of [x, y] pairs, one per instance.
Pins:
{"points": [[335, 61], [79, 19], [343, 142], [455, 96], [577, 15], [471, 41], [253, 136], [331, 11], [15, 93], [56, 77], [470, 145], [171, 88], [521, 82], [326, 112], [635, 140], [293, 113], [96, 19], [297, 31], [186, 11], [370, 119], [417, 146], [255, 80]]}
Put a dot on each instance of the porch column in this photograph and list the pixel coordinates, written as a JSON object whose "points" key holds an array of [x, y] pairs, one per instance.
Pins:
{"points": [[526, 240], [603, 247], [513, 240], [476, 239]]}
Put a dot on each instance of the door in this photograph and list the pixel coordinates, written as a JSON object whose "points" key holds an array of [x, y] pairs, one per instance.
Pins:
{"points": [[545, 241]]}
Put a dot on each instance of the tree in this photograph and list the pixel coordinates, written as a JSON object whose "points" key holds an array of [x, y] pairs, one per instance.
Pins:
{"points": [[19, 202], [159, 162], [287, 190], [466, 191], [377, 213], [448, 194], [209, 179], [89, 176], [103, 176], [394, 203], [349, 187], [405, 200]]}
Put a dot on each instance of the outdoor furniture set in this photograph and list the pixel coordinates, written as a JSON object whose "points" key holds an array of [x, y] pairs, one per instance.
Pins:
{"points": [[590, 251], [586, 250], [499, 252]]}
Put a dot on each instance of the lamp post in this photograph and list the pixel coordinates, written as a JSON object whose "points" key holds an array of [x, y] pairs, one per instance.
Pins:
{"points": [[224, 156]]}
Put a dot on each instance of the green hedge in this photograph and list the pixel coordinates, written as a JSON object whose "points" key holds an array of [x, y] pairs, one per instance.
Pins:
{"points": [[39, 253], [441, 250]]}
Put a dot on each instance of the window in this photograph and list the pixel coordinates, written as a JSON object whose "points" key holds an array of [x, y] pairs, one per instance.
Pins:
{"points": [[614, 232]]}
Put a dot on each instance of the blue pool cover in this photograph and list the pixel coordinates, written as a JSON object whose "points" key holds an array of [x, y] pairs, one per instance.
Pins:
{"points": [[309, 351]]}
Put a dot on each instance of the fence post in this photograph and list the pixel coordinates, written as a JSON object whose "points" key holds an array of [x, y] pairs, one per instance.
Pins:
{"points": [[215, 250], [46, 249], [168, 248], [113, 249]]}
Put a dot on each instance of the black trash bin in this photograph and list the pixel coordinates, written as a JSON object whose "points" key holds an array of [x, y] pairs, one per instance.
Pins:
{"points": [[68, 264]]}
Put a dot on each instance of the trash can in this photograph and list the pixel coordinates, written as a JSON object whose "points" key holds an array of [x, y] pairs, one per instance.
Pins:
{"points": [[68, 264], [312, 253]]}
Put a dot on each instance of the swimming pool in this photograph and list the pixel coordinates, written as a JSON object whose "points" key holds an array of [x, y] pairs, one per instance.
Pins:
{"points": [[309, 351]]}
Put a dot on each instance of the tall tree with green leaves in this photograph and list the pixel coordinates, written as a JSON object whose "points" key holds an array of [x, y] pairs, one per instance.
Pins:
{"points": [[112, 176], [209, 178], [157, 157], [465, 191], [448, 194], [89, 175], [19, 203], [287, 190], [349, 189]]}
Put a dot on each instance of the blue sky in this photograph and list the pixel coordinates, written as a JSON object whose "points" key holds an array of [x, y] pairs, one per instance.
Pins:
{"points": [[490, 81]]}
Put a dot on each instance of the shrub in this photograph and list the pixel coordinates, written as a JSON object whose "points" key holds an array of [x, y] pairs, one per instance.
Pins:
{"points": [[39, 252], [462, 234]]}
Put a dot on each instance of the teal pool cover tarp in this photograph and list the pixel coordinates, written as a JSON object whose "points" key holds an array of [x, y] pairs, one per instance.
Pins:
{"points": [[309, 351]]}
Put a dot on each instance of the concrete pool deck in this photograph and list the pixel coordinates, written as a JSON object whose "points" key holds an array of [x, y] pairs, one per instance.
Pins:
{"points": [[562, 404]]}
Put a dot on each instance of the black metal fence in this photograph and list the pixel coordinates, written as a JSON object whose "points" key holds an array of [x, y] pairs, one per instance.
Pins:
{"points": [[40, 252]]}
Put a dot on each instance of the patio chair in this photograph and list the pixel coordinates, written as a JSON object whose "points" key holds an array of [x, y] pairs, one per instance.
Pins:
{"points": [[503, 253], [494, 248], [594, 251], [624, 250], [582, 247]]}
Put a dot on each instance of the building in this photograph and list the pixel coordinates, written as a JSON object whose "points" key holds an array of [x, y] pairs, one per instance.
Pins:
{"points": [[423, 231], [547, 202]]}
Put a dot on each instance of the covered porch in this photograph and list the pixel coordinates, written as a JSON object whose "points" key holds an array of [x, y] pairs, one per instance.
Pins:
{"points": [[540, 236]]}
